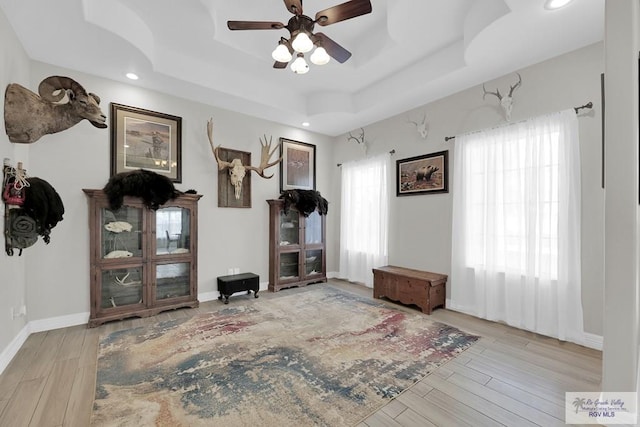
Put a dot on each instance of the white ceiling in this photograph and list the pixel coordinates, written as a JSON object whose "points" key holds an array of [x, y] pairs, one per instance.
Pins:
{"points": [[406, 53]]}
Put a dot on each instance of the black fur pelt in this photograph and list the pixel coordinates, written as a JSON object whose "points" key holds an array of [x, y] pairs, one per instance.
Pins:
{"points": [[305, 201], [43, 203], [154, 189]]}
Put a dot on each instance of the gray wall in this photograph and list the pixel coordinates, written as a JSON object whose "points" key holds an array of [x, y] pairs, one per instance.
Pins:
{"points": [[420, 230], [14, 68]]}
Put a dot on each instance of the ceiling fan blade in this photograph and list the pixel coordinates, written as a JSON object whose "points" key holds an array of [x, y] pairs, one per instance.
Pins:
{"points": [[294, 6], [254, 25], [334, 50], [280, 65], [343, 11]]}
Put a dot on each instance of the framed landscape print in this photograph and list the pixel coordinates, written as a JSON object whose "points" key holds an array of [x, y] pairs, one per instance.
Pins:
{"points": [[298, 166], [143, 139], [422, 174]]}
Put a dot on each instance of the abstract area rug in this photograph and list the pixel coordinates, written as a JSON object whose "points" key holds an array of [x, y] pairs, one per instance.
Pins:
{"points": [[322, 357]]}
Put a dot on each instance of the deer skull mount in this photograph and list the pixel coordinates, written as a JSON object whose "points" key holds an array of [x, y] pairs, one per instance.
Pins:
{"points": [[506, 102], [422, 128], [237, 170]]}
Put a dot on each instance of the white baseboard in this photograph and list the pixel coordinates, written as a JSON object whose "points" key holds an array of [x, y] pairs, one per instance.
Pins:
{"points": [[13, 347], [593, 341], [58, 322]]}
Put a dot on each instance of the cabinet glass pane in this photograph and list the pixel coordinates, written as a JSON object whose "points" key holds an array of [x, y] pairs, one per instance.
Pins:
{"points": [[313, 228], [172, 280], [172, 231], [121, 232], [289, 228], [122, 286], [289, 265], [313, 262]]}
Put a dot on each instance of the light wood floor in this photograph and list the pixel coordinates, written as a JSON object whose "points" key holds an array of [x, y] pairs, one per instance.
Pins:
{"points": [[510, 377]]}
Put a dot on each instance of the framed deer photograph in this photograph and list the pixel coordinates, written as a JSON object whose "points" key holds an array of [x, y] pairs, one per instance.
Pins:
{"points": [[143, 139], [298, 167], [424, 174]]}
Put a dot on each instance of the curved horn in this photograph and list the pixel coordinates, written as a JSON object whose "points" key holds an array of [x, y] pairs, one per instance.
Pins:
{"points": [[52, 84]]}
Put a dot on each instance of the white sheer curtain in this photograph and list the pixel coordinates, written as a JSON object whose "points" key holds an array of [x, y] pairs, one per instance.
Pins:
{"points": [[364, 218], [516, 226]]}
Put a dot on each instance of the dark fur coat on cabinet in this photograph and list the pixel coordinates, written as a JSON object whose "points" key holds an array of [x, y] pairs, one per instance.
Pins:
{"points": [[305, 201], [154, 189]]}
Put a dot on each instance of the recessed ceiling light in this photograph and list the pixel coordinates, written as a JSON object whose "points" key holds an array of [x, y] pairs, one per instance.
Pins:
{"points": [[132, 76], [556, 4], [306, 124]]}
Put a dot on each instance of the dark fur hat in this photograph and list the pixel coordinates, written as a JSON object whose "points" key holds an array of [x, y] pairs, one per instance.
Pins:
{"points": [[305, 201], [154, 189]]}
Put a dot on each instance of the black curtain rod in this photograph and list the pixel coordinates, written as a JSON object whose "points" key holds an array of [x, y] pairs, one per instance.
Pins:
{"points": [[587, 105], [390, 152]]}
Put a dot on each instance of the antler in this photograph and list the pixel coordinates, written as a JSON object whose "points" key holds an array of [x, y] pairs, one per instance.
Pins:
{"points": [[515, 86], [486, 92], [265, 155], [221, 163], [357, 139]]}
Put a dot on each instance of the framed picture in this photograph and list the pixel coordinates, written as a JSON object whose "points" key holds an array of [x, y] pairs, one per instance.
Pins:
{"points": [[298, 166], [423, 174], [143, 139]]}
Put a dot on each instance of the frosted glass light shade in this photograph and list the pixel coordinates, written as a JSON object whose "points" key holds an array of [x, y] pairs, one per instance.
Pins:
{"points": [[320, 56], [300, 66], [281, 54], [302, 43], [556, 4]]}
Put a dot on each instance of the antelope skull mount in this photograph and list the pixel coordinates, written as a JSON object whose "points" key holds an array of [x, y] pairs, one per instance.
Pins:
{"points": [[237, 170], [422, 128], [506, 102]]}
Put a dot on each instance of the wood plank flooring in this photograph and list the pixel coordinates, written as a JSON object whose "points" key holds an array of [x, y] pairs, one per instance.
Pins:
{"points": [[509, 377]]}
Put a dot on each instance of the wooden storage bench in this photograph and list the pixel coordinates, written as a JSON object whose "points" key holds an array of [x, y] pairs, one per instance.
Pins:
{"points": [[422, 288], [229, 285]]}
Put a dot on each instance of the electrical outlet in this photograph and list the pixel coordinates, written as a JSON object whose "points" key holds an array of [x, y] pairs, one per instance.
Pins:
{"points": [[229, 271], [23, 310], [236, 270]]}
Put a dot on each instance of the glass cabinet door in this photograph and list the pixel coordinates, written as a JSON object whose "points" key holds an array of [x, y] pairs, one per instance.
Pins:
{"points": [[313, 228], [173, 280], [313, 262], [173, 230], [289, 266], [289, 228], [120, 287], [121, 235]]}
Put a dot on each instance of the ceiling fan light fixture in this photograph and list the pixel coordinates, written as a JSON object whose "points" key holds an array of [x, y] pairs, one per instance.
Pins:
{"points": [[320, 56], [300, 66], [302, 43], [556, 4], [281, 54]]}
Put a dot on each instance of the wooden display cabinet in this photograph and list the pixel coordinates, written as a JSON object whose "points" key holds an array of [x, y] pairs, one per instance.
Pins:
{"points": [[142, 261], [297, 251]]}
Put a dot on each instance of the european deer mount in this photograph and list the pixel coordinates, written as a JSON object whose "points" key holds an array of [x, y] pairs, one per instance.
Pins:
{"points": [[237, 170], [506, 102], [422, 128], [358, 139]]}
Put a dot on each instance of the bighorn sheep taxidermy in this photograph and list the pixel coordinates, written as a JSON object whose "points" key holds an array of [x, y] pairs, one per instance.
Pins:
{"points": [[237, 170], [506, 102], [27, 116], [422, 128]]}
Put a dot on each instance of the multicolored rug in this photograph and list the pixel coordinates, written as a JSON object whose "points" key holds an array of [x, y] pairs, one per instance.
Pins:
{"points": [[322, 357]]}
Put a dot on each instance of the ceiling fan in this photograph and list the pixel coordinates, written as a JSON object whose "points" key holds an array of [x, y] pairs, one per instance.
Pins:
{"points": [[301, 37]]}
